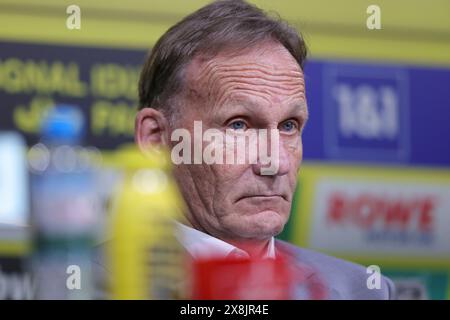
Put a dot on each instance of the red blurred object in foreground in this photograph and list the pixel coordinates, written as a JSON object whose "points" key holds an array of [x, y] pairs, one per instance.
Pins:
{"points": [[251, 279]]}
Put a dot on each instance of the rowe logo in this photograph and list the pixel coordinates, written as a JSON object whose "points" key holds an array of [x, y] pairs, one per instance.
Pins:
{"points": [[371, 211]]}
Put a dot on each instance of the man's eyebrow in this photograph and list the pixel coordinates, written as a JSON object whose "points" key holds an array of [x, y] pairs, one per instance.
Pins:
{"points": [[300, 105], [250, 106], [239, 103]]}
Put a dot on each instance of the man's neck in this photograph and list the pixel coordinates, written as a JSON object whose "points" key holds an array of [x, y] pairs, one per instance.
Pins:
{"points": [[261, 248], [255, 248]]}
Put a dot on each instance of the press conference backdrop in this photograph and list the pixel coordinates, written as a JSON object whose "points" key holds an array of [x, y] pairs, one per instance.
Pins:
{"points": [[375, 184]]}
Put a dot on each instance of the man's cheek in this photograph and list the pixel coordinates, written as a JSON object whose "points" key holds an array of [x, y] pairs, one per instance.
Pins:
{"points": [[294, 148]]}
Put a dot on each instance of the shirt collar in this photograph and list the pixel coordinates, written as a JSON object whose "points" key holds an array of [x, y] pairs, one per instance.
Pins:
{"points": [[201, 245]]}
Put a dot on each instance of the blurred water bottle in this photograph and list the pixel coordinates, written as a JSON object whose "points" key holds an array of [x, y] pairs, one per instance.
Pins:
{"points": [[64, 209]]}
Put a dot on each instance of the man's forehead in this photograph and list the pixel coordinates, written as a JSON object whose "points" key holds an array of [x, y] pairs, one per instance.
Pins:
{"points": [[266, 57], [249, 102], [217, 80]]}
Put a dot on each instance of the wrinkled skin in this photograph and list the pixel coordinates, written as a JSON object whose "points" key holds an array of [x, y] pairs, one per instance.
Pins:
{"points": [[261, 88]]}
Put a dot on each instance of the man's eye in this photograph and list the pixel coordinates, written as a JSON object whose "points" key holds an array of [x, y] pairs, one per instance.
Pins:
{"points": [[289, 126], [238, 125]]}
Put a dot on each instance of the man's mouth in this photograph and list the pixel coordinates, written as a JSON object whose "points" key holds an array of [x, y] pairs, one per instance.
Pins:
{"points": [[262, 197]]}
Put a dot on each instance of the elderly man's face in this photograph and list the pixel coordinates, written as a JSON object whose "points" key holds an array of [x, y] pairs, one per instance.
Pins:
{"points": [[261, 89]]}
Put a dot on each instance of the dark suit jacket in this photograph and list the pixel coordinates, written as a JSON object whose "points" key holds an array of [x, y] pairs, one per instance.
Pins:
{"points": [[334, 278]]}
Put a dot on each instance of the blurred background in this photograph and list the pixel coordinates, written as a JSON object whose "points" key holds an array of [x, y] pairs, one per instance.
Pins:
{"points": [[375, 184]]}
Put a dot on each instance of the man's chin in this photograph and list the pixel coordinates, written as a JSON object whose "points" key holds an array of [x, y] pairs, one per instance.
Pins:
{"points": [[260, 225]]}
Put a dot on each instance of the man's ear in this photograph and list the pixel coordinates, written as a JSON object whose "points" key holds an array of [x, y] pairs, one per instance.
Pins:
{"points": [[151, 129]]}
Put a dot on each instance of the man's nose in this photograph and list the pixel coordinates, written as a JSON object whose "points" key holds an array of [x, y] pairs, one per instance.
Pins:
{"points": [[279, 161]]}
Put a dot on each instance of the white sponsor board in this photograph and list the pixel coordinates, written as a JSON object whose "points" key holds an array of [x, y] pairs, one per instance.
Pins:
{"points": [[383, 217]]}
